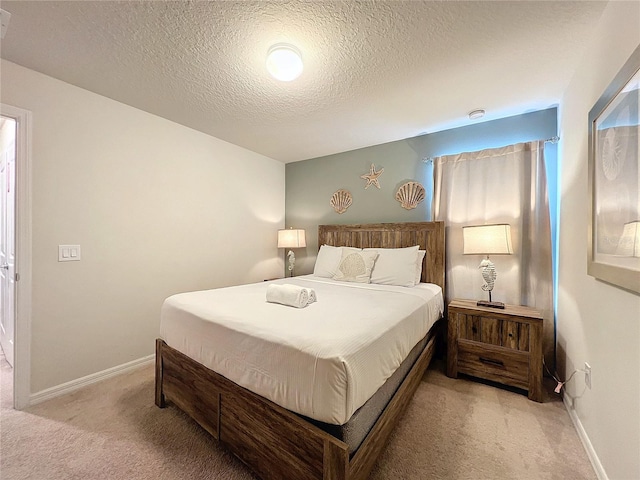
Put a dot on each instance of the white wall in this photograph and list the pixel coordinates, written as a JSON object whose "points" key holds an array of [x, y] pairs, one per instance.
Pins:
{"points": [[157, 208], [597, 322]]}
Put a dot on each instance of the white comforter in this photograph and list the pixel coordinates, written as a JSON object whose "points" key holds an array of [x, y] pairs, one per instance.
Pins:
{"points": [[323, 361]]}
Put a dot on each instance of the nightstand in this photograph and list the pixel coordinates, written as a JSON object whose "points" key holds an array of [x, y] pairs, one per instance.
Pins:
{"points": [[501, 345]]}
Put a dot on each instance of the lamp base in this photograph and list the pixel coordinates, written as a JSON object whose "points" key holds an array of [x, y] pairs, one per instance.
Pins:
{"points": [[292, 262], [484, 303]]}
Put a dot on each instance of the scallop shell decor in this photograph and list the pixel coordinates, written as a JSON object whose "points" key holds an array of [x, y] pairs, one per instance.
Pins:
{"points": [[410, 195], [341, 200]]}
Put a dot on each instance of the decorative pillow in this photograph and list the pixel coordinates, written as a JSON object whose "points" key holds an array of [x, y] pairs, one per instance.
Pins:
{"points": [[421, 254], [355, 266], [395, 266], [328, 260]]}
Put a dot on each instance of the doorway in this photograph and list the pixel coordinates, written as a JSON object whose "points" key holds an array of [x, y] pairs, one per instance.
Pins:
{"points": [[16, 185], [8, 137]]}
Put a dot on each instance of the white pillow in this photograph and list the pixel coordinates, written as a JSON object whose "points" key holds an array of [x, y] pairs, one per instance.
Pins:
{"points": [[328, 260], [395, 266], [421, 254], [355, 266]]}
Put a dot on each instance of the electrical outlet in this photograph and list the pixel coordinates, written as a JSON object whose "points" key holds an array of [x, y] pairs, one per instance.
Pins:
{"points": [[587, 374]]}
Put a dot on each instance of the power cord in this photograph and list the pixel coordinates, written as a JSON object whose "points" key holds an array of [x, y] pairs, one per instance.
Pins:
{"points": [[560, 383]]}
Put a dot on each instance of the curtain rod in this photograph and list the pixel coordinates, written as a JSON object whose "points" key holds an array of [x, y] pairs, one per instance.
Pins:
{"points": [[554, 139]]}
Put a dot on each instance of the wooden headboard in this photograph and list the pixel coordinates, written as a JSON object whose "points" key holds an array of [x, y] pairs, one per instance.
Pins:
{"points": [[428, 235]]}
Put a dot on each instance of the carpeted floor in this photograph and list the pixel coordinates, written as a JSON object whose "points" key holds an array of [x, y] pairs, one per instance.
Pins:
{"points": [[453, 429]]}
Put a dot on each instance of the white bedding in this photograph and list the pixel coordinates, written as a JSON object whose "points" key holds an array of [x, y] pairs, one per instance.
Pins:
{"points": [[323, 361]]}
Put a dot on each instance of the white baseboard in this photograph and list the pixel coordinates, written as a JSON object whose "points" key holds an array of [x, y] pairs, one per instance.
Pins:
{"points": [[586, 442], [73, 385]]}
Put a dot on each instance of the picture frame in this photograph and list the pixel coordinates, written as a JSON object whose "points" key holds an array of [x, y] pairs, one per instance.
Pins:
{"points": [[614, 181]]}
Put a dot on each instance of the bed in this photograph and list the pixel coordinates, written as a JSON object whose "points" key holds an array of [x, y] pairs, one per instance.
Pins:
{"points": [[277, 439]]}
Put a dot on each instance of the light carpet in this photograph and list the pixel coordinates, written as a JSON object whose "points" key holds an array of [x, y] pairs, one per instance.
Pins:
{"points": [[453, 429]]}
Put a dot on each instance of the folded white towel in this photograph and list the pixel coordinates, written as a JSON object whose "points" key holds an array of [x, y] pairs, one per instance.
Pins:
{"points": [[312, 295], [287, 294]]}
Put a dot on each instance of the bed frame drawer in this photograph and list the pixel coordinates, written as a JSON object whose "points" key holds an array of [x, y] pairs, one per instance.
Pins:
{"points": [[493, 363]]}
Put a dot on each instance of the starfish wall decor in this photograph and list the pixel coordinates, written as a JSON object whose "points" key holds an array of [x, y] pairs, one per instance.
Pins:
{"points": [[372, 176]]}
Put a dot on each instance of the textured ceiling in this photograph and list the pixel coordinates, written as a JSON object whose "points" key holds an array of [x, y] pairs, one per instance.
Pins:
{"points": [[375, 71]]}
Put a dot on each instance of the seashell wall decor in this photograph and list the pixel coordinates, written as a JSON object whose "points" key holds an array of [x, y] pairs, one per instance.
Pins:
{"points": [[410, 195], [372, 176], [341, 200]]}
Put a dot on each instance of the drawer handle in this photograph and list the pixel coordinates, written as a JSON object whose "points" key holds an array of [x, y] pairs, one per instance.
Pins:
{"points": [[497, 363]]}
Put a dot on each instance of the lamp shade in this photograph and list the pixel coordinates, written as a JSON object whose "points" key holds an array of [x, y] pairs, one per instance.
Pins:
{"points": [[292, 238], [487, 240], [629, 244]]}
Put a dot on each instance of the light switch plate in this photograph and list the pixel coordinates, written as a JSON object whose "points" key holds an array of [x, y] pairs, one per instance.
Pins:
{"points": [[68, 253]]}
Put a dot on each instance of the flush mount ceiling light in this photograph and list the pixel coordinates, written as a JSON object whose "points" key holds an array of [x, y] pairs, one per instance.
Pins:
{"points": [[284, 62], [475, 114]]}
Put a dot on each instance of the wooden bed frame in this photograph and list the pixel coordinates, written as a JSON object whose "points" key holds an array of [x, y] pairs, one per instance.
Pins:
{"points": [[277, 443]]}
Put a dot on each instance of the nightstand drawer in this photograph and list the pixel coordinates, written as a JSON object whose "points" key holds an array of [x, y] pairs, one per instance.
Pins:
{"points": [[494, 363], [494, 331]]}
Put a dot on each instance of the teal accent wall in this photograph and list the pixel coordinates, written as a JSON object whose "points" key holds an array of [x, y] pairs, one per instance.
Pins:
{"points": [[311, 183]]}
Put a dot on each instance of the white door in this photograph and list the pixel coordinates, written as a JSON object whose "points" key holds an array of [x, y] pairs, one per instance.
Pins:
{"points": [[7, 237]]}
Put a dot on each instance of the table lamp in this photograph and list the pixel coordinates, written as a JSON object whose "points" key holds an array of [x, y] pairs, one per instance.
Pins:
{"points": [[488, 240], [291, 238]]}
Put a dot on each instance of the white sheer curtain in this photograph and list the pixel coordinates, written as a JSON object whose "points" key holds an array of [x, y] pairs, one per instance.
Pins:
{"points": [[501, 185]]}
